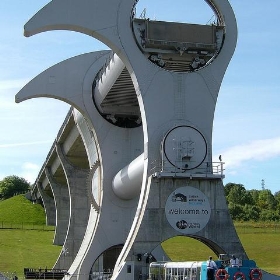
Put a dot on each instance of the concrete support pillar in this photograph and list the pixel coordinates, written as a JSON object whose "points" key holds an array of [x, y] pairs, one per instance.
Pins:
{"points": [[216, 230], [79, 210], [62, 206], [48, 205]]}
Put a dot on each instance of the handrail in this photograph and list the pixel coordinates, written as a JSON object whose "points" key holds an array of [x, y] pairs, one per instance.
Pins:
{"points": [[205, 170]]}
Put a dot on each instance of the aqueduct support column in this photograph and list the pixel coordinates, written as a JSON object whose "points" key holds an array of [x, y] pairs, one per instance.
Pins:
{"points": [[49, 206], [79, 210], [62, 206]]}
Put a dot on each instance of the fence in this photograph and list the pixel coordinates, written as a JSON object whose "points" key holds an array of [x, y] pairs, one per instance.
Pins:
{"points": [[25, 226], [51, 274], [265, 227]]}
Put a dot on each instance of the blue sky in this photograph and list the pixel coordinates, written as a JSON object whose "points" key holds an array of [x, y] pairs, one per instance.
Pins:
{"points": [[246, 126]]}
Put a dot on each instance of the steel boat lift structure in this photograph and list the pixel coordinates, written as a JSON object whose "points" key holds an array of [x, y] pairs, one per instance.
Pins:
{"points": [[141, 119]]}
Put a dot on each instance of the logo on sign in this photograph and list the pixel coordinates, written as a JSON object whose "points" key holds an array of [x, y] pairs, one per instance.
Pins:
{"points": [[187, 210]]}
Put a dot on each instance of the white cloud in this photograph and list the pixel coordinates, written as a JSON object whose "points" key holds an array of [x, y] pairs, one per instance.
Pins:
{"points": [[258, 150], [30, 171]]}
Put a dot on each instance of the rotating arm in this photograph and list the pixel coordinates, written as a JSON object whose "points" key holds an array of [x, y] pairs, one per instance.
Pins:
{"points": [[82, 16], [64, 81]]}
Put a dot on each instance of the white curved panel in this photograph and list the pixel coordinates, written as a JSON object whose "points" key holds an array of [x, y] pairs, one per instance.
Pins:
{"points": [[96, 19], [64, 81]]}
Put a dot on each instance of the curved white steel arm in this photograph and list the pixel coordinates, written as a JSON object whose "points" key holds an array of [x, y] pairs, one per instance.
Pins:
{"points": [[230, 39], [98, 19], [63, 79]]}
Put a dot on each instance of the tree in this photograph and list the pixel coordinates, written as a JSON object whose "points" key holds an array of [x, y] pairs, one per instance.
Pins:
{"points": [[228, 187], [255, 195], [236, 212], [267, 200], [252, 205], [237, 194], [277, 197], [12, 185], [251, 213], [269, 215]]}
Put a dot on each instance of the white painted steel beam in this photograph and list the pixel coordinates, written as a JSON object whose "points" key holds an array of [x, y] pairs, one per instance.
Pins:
{"points": [[127, 182], [107, 80]]}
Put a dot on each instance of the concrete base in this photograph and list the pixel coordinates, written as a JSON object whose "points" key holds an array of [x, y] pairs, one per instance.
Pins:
{"points": [[218, 234]]}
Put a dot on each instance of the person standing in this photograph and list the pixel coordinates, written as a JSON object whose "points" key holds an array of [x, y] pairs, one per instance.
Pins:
{"points": [[211, 267], [234, 262]]}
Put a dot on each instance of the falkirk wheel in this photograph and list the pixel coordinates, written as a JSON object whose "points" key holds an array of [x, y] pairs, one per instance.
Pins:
{"points": [[149, 105]]}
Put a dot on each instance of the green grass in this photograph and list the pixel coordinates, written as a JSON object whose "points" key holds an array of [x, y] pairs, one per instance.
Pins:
{"points": [[262, 244], [20, 210], [21, 248], [26, 248], [186, 249]]}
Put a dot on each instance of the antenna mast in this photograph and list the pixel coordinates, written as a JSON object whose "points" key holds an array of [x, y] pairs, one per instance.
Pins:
{"points": [[263, 184]]}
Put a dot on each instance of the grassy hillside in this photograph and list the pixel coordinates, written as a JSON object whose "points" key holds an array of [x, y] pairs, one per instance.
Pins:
{"points": [[19, 210], [24, 248]]}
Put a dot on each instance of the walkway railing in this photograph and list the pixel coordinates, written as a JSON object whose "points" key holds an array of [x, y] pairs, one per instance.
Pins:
{"points": [[31, 273], [205, 170], [25, 226]]}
